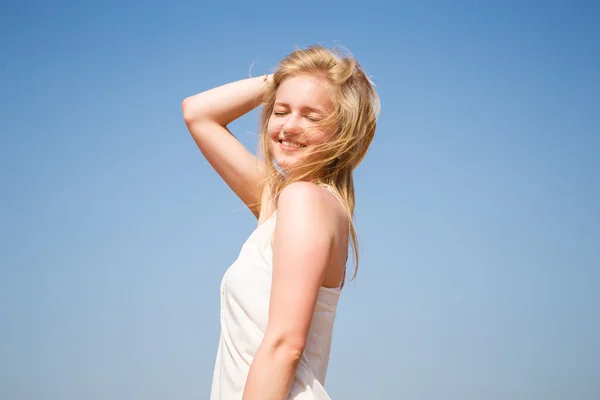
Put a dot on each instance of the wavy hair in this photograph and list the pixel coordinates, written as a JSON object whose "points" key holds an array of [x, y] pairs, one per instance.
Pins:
{"points": [[352, 123]]}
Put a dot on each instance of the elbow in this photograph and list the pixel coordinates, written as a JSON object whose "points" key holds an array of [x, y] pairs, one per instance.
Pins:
{"points": [[187, 110], [288, 349], [193, 110]]}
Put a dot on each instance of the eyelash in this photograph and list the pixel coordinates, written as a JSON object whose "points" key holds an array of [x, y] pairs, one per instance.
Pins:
{"points": [[311, 119]]}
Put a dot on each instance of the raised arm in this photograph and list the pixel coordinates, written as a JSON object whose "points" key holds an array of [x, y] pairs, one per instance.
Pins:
{"points": [[207, 115]]}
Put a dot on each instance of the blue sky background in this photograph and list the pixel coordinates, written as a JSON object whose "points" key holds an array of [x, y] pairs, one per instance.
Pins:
{"points": [[478, 203]]}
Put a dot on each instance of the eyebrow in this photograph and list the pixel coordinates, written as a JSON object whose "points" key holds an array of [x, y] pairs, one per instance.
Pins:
{"points": [[307, 108]]}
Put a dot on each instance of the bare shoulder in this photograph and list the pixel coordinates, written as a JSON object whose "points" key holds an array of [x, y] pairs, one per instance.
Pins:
{"points": [[310, 201], [311, 225]]}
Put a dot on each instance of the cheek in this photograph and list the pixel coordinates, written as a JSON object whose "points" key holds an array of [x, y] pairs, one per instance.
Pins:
{"points": [[319, 137], [273, 128]]}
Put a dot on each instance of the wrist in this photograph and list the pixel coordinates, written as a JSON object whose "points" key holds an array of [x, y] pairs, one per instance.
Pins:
{"points": [[267, 78]]}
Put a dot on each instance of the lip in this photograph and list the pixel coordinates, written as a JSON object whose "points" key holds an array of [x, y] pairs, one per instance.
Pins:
{"points": [[289, 148]]}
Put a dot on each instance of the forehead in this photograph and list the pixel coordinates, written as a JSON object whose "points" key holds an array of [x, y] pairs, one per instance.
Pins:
{"points": [[305, 91]]}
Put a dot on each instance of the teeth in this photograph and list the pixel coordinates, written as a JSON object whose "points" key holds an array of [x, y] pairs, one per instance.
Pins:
{"points": [[291, 144]]}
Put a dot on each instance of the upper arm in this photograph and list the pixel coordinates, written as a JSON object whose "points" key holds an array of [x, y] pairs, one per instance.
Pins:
{"points": [[240, 169], [302, 246]]}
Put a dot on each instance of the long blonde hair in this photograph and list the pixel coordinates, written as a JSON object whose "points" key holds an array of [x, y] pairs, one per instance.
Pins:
{"points": [[353, 122]]}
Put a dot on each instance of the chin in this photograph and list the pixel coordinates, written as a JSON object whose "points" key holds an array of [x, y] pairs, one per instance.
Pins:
{"points": [[286, 159], [285, 162]]}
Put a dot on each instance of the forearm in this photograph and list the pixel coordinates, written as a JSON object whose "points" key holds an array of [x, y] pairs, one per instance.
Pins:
{"points": [[226, 103], [272, 372]]}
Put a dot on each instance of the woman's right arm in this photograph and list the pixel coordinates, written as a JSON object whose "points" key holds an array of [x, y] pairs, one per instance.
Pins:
{"points": [[207, 115]]}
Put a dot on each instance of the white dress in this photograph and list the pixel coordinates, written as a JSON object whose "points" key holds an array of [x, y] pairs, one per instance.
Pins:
{"points": [[245, 291]]}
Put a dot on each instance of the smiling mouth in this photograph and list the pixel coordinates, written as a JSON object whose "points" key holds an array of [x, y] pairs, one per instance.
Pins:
{"points": [[294, 145]]}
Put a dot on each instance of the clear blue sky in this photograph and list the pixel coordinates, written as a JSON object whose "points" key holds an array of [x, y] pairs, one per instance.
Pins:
{"points": [[478, 203]]}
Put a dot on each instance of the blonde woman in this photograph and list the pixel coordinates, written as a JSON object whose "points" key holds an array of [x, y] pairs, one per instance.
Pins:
{"points": [[279, 298]]}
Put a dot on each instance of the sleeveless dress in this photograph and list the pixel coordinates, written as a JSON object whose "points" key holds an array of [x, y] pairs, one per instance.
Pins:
{"points": [[245, 292]]}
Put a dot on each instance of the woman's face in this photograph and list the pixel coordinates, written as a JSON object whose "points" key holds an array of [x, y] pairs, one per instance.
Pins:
{"points": [[300, 103]]}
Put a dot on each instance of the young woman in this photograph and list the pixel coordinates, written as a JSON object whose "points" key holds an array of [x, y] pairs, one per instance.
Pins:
{"points": [[279, 298]]}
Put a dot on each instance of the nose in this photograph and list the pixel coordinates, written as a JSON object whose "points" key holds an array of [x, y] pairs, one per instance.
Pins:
{"points": [[292, 123]]}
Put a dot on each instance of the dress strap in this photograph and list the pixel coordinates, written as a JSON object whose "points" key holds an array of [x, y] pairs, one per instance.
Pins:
{"points": [[339, 198], [332, 191]]}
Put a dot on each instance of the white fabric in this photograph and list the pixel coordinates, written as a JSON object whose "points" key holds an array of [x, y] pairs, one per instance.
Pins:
{"points": [[245, 292]]}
